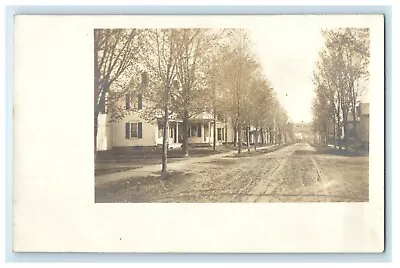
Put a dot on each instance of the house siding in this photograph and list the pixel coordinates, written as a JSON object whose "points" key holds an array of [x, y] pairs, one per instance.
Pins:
{"points": [[231, 132], [104, 133]]}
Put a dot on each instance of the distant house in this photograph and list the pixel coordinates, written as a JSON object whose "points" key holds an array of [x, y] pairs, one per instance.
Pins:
{"points": [[298, 136], [358, 129]]}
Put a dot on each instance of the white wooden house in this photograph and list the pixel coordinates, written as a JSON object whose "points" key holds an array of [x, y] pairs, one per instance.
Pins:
{"points": [[134, 131]]}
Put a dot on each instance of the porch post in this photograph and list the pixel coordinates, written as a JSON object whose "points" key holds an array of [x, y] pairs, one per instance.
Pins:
{"points": [[203, 134], [209, 132]]}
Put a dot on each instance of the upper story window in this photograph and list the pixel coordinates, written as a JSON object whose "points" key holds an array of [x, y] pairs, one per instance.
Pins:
{"points": [[133, 101]]}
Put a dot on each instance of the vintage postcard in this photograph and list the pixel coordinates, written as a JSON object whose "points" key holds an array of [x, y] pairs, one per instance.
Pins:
{"points": [[210, 133]]}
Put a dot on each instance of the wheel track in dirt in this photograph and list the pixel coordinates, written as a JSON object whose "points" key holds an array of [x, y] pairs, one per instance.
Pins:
{"points": [[259, 170]]}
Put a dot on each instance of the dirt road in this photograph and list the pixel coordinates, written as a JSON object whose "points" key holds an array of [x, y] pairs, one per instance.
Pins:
{"points": [[296, 173]]}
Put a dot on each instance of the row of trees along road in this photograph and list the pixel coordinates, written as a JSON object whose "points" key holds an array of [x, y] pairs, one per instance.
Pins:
{"points": [[340, 77], [180, 73]]}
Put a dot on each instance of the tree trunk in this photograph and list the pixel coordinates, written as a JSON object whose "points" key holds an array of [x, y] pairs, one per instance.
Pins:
{"points": [[185, 123], [96, 116], [262, 136], [215, 131], [345, 128], [235, 134], [334, 132], [248, 138], [256, 139], [164, 174], [270, 135], [326, 134], [345, 137], [320, 135], [226, 132], [280, 137], [239, 129], [338, 130]]}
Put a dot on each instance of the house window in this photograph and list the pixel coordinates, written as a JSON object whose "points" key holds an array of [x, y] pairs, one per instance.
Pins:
{"points": [[128, 102], [133, 130], [133, 102], [193, 131], [219, 134], [171, 132]]}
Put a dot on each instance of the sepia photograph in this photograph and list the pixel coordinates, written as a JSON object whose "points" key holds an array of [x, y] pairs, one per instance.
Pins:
{"points": [[226, 115], [211, 133]]}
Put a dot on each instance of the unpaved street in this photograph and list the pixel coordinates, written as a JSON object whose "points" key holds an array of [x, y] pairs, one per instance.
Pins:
{"points": [[296, 173]]}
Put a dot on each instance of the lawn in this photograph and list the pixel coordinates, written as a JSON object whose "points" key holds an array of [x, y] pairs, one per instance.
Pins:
{"points": [[122, 160]]}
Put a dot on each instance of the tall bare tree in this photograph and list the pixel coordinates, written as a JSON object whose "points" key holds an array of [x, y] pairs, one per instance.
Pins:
{"points": [[238, 70], [116, 52], [160, 62], [341, 73], [197, 46]]}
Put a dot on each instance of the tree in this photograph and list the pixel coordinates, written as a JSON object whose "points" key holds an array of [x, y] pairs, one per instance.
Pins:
{"points": [[192, 63], [214, 80], [238, 90], [115, 53], [342, 68], [160, 62], [259, 105], [328, 90], [218, 91], [238, 69]]}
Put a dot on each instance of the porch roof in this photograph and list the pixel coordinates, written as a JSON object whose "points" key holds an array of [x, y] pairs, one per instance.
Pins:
{"points": [[195, 120], [202, 117], [159, 120]]}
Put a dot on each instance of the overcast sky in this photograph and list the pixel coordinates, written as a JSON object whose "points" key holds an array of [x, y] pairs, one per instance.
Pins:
{"points": [[288, 50]]}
